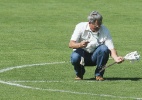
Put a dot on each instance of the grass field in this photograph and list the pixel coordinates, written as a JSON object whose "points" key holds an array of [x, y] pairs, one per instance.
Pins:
{"points": [[35, 58]]}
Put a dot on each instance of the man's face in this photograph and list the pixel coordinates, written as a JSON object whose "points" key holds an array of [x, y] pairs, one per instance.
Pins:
{"points": [[95, 26]]}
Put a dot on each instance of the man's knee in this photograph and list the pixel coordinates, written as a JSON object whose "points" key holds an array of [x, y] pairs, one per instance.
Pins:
{"points": [[75, 58], [104, 48]]}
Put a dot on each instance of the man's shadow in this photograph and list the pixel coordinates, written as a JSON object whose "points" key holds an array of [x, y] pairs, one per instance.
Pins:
{"points": [[118, 79]]}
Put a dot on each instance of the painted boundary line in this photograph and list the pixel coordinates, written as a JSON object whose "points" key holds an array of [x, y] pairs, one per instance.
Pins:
{"points": [[64, 91], [55, 90], [30, 65]]}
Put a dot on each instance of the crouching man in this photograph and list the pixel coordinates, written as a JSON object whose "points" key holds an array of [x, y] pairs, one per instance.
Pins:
{"points": [[92, 44]]}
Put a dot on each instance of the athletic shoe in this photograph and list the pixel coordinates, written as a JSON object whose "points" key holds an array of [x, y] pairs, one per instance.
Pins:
{"points": [[99, 78], [78, 78]]}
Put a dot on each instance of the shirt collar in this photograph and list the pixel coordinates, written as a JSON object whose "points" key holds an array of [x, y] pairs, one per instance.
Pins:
{"points": [[88, 29]]}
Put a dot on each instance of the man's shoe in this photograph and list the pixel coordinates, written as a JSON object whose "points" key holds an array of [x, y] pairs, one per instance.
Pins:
{"points": [[78, 78], [99, 78]]}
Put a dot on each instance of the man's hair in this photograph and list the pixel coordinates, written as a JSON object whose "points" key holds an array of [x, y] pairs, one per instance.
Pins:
{"points": [[95, 15]]}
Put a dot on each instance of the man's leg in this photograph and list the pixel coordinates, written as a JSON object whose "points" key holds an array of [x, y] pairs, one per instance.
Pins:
{"points": [[100, 57], [75, 60]]}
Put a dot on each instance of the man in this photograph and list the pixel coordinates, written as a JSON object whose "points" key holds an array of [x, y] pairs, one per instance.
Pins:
{"points": [[92, 44]]}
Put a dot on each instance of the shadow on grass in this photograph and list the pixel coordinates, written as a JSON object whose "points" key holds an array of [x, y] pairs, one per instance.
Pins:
{"points": [[118, 79]]}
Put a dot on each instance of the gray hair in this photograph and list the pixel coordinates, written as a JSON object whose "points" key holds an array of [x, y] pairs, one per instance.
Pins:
{"points": [[95, 15]]}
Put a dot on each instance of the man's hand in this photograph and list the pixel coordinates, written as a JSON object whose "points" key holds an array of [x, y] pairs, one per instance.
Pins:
{"points": [[119, 59], [83, 44]]}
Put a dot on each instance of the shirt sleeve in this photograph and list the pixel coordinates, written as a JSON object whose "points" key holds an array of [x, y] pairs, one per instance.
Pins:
{"points": [[76, 34], [109, 42]]}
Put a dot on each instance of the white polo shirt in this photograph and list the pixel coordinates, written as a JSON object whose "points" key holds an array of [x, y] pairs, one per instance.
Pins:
{"points": [[83, 32]]}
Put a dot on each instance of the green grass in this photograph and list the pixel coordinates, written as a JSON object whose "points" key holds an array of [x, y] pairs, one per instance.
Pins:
{"points": [[38, 31]]}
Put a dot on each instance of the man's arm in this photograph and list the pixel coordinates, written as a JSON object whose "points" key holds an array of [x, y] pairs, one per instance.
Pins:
{"points": [[75, 45], [116, 58]]}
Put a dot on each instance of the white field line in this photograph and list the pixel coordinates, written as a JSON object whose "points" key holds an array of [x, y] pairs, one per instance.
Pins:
{"points": [[50, 81], [31, 65], [24, 81], [65, 91], [54, 90]]}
